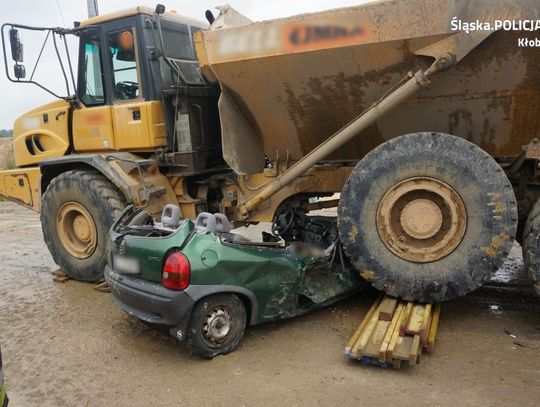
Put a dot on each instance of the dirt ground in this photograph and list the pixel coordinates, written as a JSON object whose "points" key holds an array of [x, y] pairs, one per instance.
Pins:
{"points": [[68, 345]]}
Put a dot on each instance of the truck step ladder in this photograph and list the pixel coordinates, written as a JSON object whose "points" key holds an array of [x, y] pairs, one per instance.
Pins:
{"points": [[394, 331]]}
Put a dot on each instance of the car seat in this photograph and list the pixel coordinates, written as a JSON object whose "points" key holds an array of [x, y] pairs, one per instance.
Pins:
{"points": [[223, 228]]}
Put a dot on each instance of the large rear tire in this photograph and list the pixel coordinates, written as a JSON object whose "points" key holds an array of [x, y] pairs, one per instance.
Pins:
{"points": [[531, 246], [77, 210], [427, 217]]}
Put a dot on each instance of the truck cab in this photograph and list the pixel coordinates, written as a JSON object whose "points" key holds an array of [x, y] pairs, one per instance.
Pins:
{"points": [[129, 64], [139, 84], [136, 111]]}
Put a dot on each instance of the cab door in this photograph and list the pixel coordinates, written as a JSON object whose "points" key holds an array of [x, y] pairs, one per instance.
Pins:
{"points": [[138, 124], [92, 122]]}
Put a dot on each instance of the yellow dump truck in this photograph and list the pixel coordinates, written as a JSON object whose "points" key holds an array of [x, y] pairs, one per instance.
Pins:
{"points": [[424, 121]]}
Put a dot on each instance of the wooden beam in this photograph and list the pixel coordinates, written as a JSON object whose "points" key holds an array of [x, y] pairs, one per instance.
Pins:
{"points": [[360, 328], [387, 308]]}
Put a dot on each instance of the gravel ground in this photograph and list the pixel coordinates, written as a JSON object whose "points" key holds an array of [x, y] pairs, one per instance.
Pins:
{"points": [[67, 345]]}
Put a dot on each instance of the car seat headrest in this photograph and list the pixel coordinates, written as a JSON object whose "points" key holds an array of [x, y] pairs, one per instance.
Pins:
{"points": [[222, 223], [205, 222], [170, 217]]}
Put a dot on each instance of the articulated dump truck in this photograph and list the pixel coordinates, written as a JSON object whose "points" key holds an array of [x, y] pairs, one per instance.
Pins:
{"points": [[427, 130]]}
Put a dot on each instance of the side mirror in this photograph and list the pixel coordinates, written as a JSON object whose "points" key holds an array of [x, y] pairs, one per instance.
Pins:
{"points": [[19, 71], [160, 9], [16, 45]]}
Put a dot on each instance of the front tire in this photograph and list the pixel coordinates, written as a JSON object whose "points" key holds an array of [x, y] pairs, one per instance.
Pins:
{"points": [[216, 325], [427, 217], [77, 210]]}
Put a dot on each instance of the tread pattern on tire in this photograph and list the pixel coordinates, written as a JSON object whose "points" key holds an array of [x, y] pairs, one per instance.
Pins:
{"points": [[482, 251], [102, 189], [531, 246]]}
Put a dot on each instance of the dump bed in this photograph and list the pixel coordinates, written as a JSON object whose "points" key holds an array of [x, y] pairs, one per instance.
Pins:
{"points": [[288, 84]]}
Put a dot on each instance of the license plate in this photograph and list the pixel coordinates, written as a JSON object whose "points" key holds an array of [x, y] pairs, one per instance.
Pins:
{"points": [[126, 265]]}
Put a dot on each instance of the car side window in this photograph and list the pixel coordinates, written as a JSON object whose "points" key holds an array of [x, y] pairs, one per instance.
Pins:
{"points": [[124, 64], [91, 87]]}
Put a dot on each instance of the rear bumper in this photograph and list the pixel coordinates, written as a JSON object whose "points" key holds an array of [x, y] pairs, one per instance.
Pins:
{"points": [[151, 302]]}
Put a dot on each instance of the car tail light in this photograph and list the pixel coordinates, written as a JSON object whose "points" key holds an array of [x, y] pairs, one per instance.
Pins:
{"points": [[176, 272]]}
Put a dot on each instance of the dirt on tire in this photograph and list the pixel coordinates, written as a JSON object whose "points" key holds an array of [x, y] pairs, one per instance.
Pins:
{"points": [[531, 246], [479, 181], [102, 201]]}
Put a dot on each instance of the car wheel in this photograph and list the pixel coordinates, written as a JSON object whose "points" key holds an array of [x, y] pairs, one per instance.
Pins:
{"points": [[216, 326]]}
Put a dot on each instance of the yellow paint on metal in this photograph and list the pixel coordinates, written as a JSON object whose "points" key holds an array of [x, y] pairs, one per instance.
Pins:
{"points": [[93, 129], [108, 128], [145, 133], [76, 230], [321, 179], [202, 57], [41, 133], [22, 186], [153, 179], [141, 10]]}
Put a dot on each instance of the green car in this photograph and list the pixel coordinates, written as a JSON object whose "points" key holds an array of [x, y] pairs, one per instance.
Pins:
{"points": [[3, 395], [207, 284]]}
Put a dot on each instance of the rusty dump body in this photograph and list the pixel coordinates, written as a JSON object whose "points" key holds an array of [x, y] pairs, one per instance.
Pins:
{"points": [[292, 82]]}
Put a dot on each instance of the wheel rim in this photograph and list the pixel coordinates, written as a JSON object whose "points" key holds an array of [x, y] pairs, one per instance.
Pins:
{"points": [[76, 230], [421, 219], [217, 326]]}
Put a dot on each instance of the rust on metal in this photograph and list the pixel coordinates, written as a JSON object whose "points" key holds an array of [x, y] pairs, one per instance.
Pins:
{"points": [[350, 56], [421, 219]]}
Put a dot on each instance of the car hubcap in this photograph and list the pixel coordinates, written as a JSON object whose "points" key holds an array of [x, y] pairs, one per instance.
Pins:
{"points": [[421, 219], [76, 230], [217, 325]]}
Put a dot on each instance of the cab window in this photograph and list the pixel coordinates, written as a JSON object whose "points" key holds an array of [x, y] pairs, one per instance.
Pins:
{"points": [[124, 64], [91, 90]]}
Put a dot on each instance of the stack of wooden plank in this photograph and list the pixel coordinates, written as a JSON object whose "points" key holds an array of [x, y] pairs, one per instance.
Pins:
{"points": [[394, 331], [60, 277]]}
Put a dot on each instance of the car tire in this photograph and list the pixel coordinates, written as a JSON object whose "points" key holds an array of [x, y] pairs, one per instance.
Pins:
{"points": [[216, 325], [78, 209]]}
